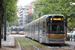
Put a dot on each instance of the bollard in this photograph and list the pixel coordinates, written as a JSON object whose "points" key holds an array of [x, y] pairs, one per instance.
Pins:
{"points": [[74, 38]]}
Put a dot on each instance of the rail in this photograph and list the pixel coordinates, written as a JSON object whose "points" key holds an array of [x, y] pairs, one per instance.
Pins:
{"points": [[31, 44], [19, 44]]}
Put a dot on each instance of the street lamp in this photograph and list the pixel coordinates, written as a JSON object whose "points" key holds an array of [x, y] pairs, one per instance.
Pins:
{"points": [[5, 17]]}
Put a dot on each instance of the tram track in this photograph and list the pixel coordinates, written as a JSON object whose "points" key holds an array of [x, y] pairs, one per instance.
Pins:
{"points": [[57, 47], [19, 44], [32, 47], [32, 44], [37, 46]]}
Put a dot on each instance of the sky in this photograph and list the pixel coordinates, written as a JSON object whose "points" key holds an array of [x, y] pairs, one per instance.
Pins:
{"points": [[23, 2]]}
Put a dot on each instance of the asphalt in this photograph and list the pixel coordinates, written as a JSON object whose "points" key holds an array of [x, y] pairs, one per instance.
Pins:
{"points": [[71, 43]]}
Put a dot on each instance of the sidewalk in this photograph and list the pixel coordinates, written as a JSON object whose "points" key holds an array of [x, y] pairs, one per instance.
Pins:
{"points": [[9, 41], [70, 43]]}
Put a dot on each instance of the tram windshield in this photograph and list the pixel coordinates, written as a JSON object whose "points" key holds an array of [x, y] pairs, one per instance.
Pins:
{"points": [[22, 29], [14, 29], [55, 25]]}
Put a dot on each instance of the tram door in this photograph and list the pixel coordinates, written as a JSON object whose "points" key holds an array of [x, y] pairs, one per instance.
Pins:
{"points": [[44, 30]]}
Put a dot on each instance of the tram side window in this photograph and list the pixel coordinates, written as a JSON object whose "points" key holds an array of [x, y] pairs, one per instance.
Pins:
{"points": [[36, 27], [30, 29], [43, 26], [33, 29], [40, 25]]}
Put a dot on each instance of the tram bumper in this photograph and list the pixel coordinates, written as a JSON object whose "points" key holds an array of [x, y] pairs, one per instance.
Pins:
{"points": [[56, 41], [13, 32]]}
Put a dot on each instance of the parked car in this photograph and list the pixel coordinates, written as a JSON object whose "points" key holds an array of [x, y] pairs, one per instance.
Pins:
{"points": [[73, 34], [69, 34]]}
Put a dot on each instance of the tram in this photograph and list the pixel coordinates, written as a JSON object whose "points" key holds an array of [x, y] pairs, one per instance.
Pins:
{"points": [[47, 29], [13, 30], [21, 30]]}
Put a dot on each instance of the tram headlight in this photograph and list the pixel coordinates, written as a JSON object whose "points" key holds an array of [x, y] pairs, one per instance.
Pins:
{"points": [[64, 34], [13, 31], [47, 34], [50, 18]]}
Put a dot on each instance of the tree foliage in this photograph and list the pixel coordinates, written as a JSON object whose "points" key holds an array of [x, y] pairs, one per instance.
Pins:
{"points": [[15, 22], [11, 9], [29, 18], [64, 7]]}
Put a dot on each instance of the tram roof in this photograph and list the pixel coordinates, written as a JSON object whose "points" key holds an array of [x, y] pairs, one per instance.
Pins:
{"points": [[56, 15], [44, 17]]}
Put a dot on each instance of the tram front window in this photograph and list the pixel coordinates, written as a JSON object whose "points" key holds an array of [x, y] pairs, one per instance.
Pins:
{"points": [[55, 24], [57, 27], [14, 29], [21, 29]]}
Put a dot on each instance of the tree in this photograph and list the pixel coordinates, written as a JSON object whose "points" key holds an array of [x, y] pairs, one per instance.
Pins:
{"points": [[56, 7], [10, 11], [15, 22], [29, 18], [1, 17]]}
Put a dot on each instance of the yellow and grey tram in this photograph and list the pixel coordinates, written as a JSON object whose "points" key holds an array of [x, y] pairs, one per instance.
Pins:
{"points": [[13, 30], [47, 29], [21, 30]]}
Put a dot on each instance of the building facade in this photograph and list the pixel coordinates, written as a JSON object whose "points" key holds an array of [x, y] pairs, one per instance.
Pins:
{"points": [[23, 12]]}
